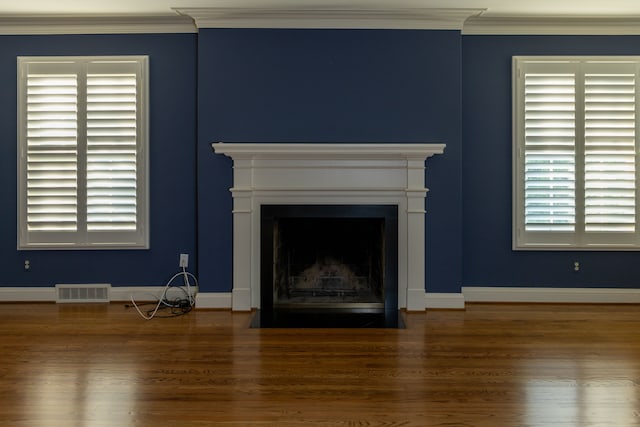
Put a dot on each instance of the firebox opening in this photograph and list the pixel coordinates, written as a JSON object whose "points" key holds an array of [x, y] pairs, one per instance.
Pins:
{"points": [[328, 262], [322, 261]]}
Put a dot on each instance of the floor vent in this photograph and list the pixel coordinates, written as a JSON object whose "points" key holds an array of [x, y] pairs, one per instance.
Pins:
{"points": [[97, 292]]}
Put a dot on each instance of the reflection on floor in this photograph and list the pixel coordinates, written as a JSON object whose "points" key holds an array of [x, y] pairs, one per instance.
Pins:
{"points": [[327, 319]]}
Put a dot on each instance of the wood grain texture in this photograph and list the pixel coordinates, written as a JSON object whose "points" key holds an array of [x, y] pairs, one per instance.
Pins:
{"points": [[491, 365]]}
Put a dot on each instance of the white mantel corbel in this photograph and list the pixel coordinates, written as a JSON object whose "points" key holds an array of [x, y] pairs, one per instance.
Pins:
{"points": [[328, 173]]}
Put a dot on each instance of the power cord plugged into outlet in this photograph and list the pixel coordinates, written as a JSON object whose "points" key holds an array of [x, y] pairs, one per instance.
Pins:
{"points": [[184, 261], [178, 305]]}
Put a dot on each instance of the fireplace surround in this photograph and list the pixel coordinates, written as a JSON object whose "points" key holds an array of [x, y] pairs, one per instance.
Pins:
{"points": [[328, 174]]}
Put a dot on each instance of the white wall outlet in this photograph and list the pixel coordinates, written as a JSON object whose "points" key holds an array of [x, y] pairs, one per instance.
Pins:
{"points": [[184, 260]]}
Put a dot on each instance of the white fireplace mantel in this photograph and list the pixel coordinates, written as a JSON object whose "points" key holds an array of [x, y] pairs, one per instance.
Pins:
{"points": [[324, 173]]}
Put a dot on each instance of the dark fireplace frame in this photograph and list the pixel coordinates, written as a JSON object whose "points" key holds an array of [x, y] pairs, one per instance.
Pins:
{"points": [[386, 316]]}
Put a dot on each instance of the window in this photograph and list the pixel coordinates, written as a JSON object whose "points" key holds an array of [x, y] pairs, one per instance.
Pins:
{"points": [[575, 153], [82, 152]]}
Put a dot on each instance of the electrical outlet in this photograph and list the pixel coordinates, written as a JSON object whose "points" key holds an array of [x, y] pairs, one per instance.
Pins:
{"points": [[184, 260]]}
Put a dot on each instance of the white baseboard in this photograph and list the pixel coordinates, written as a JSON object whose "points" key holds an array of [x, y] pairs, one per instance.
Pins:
{"points": [[441, 300], [48, 294], [444, 300], [551, 295], [24, 294], [213, 300], [139, 293], [433, 300]]}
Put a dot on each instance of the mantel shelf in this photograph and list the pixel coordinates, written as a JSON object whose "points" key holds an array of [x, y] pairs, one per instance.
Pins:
{"points": [[328, 150]]}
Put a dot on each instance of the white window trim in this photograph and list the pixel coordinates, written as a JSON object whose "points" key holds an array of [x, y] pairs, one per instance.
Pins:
{"points": [[569, 241], [83, 239]]}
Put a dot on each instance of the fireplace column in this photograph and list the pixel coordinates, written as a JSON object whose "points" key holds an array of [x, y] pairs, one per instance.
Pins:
{"points": [[243, 247], [416, 193]]}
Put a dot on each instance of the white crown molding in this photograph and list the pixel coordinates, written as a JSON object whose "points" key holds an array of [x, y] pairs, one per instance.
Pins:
{"points": [[189, 20], [412, 18], [78, 24], [552, 25]]}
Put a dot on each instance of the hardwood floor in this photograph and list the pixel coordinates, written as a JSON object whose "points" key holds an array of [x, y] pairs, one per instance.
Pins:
{"points": [[491, 365]]}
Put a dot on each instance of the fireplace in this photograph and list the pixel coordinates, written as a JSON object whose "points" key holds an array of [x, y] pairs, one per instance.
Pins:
{"points": [[325, 260], [328, 174]]}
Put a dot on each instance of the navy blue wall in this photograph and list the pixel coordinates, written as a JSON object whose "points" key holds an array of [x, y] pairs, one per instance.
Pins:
{"points": [[260, 85], [172, 59], [329, 86], [487, 167]]}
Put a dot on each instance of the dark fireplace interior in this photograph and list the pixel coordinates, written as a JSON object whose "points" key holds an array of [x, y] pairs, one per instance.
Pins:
{"points": [[328, 266], [343, 265]]}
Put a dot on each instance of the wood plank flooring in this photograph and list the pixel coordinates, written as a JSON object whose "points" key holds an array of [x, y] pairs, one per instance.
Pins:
{"points": [[490, 365]]}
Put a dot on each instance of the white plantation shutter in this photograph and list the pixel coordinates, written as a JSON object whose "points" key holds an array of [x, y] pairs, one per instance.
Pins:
{"points": [[610, 152], [549, 155], [575, 153], [52, 151], [111, 151], [83, 149]]}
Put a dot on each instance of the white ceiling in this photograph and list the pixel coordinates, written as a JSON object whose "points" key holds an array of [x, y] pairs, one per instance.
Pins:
{"points": [[524, 8]]}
